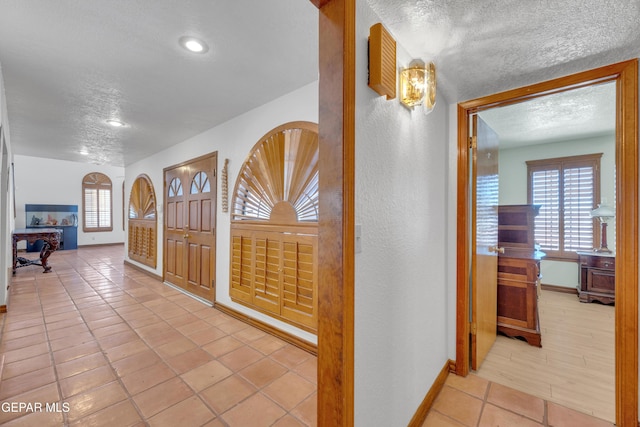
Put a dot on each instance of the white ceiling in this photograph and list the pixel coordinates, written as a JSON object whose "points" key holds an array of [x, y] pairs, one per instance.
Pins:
{"points": [[579, 113], [69, 65]]}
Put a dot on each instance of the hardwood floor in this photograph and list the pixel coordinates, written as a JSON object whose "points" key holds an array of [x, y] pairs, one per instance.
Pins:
{"points": [[575, 366]]}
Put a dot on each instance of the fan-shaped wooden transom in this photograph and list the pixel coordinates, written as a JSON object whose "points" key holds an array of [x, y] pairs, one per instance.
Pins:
{"points": [[142, 202], [279, 180]]}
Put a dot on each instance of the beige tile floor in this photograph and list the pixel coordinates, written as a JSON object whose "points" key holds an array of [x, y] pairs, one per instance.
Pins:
{"points": [[106, 345], [473, 401]]}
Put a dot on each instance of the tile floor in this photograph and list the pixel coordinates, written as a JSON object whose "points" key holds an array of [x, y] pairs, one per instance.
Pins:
{"points": [[105, 345], [476, 402]]}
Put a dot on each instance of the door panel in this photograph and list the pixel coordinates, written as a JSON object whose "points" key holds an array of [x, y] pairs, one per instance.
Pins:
{"points": [[191, 235], [484, 260]]}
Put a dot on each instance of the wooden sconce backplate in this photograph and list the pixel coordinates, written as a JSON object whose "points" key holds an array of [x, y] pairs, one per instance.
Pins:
{"points": [[382, 61]]}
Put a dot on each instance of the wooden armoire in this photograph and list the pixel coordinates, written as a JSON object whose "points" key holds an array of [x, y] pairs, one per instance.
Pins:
{"points": [[518, 273]]}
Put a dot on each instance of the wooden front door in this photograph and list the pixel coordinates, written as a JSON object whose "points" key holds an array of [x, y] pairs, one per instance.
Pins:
{"points": [[484, 260], [189, 232]]}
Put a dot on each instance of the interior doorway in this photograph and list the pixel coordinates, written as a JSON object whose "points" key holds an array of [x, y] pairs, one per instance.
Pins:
{"points": [[565, 353], [189, 226], [625, 75]]}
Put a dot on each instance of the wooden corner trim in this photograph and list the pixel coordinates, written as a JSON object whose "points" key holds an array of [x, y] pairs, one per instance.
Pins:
{"points": [[3, 308], [271, 330], [427, 402]]}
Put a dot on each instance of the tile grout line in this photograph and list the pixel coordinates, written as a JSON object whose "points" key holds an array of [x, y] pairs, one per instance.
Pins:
{"points": [[65, 418], [71, 294], [102, 350]]}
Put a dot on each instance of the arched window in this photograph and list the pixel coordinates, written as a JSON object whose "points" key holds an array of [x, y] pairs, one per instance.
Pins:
{"points": [[97, 202], [274, 227], [142, 222], [279, 180]]}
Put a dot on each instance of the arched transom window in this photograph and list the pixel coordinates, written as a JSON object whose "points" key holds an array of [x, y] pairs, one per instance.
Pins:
{"points": [[279, 180]]}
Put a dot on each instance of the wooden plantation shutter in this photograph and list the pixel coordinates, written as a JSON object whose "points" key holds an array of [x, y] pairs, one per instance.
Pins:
{"points": [[567, 189], [274, 230], [545, 189], [142, 239], [578, 204], [96, 202]]}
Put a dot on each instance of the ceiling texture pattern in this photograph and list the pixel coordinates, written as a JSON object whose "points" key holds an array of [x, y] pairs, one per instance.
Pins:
{"points": [[486, 46], [71, 65]]}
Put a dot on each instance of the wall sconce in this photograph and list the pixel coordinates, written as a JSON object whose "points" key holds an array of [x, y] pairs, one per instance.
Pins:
{"points": [[604, 213], [418, 86]]}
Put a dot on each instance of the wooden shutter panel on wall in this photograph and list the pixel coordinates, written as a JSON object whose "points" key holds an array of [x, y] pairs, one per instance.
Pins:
{"points": [[274, 229], [300, 271], [142, 222], [241, 266], [266, 285]]}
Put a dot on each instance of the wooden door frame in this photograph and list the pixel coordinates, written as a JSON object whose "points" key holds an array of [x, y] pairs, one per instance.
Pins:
{"points": [[625, 74]]}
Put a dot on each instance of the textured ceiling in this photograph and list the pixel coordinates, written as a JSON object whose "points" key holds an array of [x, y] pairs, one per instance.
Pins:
{"points": [[69, 65], [578, 113], [482, 47]]}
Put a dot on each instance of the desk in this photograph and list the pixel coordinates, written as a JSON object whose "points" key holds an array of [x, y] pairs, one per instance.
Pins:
{"points": [[51, 238]]}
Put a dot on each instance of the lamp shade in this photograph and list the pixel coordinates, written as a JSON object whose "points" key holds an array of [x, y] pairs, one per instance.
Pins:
{"points": [[603, 211]]}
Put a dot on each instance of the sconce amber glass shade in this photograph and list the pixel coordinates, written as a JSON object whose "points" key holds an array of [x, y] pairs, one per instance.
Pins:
{"points": [[418, 86], [413, 84]]}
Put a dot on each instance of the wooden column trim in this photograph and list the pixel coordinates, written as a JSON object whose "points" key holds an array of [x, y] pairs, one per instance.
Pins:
{"points": [[336, 125], [463, 244], [627, 245]]}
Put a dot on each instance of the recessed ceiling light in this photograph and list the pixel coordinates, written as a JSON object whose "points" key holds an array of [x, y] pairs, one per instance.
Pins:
{"points": [[193, 44], [115, 123]]}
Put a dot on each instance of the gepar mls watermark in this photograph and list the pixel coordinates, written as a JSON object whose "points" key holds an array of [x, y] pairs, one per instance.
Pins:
{"points": [[28, 407]]}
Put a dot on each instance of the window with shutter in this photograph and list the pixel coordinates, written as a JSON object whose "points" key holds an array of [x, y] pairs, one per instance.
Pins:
{"points": [[274, 229], [142, 222], [567, 189], [96, 202]]}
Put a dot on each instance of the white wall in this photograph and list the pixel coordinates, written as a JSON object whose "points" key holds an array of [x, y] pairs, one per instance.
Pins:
{"points": [[513, 189], [232, 140], [6, 197], [400, 283], [59, 182]]}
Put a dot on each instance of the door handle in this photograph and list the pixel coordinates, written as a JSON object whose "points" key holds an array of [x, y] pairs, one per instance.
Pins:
{"points": [[496, 249], [186, 235]]}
